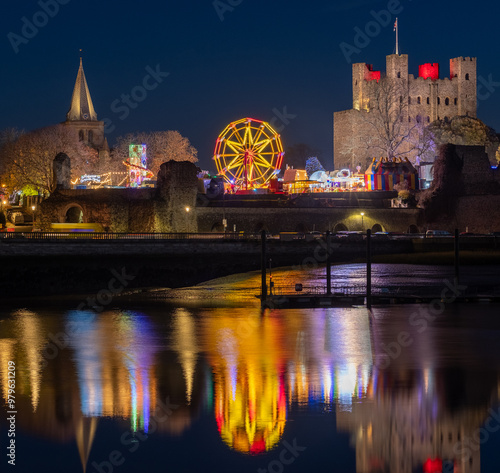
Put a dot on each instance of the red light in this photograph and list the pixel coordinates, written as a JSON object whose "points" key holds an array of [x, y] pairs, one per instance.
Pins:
{"points": [[370, 74], [433, 466], [429, 71]]}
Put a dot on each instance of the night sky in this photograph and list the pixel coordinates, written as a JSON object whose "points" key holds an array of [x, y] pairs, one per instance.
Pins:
{"points": [[243, 58]]}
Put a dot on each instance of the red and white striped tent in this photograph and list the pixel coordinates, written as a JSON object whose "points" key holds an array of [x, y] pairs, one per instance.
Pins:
{"points": [[383, 174]]}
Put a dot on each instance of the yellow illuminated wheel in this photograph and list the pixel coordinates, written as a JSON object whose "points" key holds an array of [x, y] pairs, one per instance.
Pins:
{"points": [[248, 153]]}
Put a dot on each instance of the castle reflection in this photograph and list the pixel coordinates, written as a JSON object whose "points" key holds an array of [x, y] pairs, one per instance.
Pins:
{"points": [[252, 373]]}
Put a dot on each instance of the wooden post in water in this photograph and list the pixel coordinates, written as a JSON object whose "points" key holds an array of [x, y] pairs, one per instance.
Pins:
{"points": [[263, 291], [368, 269], [328, 264], [457, 259]]}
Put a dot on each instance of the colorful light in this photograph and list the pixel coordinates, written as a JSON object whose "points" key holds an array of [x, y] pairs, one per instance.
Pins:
{"points": [[137, 165], [248, 152]]}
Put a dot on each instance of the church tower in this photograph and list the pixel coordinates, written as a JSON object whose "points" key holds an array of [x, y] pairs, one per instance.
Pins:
{"points": [[83, 118]]}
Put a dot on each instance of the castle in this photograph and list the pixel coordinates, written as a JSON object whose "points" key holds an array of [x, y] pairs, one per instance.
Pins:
{"points": [[422, 100], [83, 118]]}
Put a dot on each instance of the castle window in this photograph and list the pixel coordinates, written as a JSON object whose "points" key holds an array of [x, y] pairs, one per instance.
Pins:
{"points": [[419, 119], [409, 119], [356, 82], [428, 119], [399, 75], [419, 100], [428, 100], [81, 135], [91, 136], [409, 100], [439, 100], [400, 99], [456, 101], [467, 76], [446, 120], [447, 101]]}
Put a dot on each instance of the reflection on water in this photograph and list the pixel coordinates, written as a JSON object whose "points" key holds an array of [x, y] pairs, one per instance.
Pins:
{"points": [[244, 381]]}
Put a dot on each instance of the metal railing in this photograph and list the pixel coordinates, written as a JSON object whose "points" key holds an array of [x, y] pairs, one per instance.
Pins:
{"points": [[129, 236]]}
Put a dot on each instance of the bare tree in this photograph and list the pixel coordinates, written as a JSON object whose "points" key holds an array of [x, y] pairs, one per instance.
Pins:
{"points": [[162, 146], [28, 159], [391, 130]]}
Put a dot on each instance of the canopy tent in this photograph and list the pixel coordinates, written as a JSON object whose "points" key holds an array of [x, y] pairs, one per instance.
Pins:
{"points": [[384, 174]]}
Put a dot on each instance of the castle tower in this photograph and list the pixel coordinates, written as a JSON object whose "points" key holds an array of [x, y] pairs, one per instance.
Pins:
{"points": [[463, 70], [397, 66]]}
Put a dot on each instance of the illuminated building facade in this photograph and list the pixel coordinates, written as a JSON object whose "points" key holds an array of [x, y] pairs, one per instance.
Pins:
{"points": [[429, 98]]}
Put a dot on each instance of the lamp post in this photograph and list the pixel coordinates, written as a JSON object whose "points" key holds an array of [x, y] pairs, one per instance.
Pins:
{"points": [[362, 221], [187, 209], [33, 208]]}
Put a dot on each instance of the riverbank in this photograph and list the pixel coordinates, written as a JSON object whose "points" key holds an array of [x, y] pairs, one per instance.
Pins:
{"points": [[34, 269]]}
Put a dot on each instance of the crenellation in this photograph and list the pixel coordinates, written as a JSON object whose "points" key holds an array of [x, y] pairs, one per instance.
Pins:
{"points": [[440, 98]]}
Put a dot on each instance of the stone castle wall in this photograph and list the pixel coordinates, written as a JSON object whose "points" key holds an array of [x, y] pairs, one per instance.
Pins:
{"points": [[429, 99]]}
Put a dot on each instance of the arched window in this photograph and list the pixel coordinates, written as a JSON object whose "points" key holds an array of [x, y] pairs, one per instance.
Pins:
{"points": [[456, 101], [447, 101], [439, 100], [399, 75], [467, 76], [428, 100], [419, 118], [419, 100], [81, 135], [91, 136]]}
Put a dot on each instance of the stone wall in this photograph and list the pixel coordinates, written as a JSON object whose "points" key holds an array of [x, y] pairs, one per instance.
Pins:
{"points": [[308, 219]]}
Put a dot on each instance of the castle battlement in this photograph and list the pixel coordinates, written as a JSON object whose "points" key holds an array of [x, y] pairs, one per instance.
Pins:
{"points": [[429, 97]]}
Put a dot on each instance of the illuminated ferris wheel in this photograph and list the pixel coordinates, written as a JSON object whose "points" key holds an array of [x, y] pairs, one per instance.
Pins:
{"points": [[248, 153]]}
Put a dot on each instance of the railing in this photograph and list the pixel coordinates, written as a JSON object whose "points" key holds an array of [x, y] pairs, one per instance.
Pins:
{"points": [[130, 236], [320, 291]]}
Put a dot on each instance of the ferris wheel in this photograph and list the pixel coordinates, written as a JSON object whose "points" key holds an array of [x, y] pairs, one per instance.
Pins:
{"points": [[248, 153]]}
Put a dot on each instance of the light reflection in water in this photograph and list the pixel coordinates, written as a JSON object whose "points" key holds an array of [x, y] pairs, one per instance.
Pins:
{"points": [[247, 357], [30, 335], [261, 371]]}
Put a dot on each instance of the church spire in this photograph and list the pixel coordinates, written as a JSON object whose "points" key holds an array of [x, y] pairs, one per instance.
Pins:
{"points": [[81, 102]]}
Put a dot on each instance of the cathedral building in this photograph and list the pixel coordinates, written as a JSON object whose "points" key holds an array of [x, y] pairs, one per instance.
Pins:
{"points": [[426, 98], [83, 118]]}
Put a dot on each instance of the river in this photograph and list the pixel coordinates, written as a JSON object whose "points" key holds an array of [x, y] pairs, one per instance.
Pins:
{"points": [[200, 380]]}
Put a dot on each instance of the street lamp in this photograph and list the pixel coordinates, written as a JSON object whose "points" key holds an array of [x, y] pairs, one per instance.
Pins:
{"points": [[187, 209], [362, 223], [33, 208]]}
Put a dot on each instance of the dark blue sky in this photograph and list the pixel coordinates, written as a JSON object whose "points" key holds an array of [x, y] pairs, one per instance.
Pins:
{"points": [[263, 56]]}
